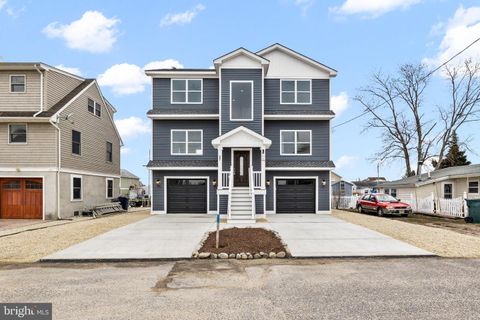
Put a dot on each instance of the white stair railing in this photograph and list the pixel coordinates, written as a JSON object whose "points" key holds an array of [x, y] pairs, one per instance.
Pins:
{"points": [[225, 183], [230, 187], [257, 179], [251, 185]]}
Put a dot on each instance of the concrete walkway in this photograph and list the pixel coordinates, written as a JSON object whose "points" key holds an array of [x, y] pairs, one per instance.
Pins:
{"points": [[177, 236]]}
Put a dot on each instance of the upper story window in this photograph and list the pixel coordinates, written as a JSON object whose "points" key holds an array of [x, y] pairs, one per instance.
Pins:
{"points": [[17, 133], [109, 151], [295, 142], [17, 83], [296, 91], [241, 100], [76, 142], [94, 107], [187, 91], [186, 142]]}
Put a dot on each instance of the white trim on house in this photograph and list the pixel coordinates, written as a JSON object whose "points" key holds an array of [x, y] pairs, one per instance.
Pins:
{"points": [[298, 169], [182, 74], [182, 168], [241, 51], [298, 117], [295, 92], [73, 176], [26, 134], [106, 188], [238, 137], [88, 173], [186, 91], [183, 116], [252, 100], [165, 187], [295, 143], [295, 177], [24, 83], [443, 189], [186, 142]]}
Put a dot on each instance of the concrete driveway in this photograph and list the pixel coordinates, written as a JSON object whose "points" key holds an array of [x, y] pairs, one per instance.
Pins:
{"points": [[177, 236]]}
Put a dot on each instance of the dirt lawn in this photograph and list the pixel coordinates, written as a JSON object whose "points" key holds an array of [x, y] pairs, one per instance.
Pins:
{"points": [[436, 239], [32, 245]]}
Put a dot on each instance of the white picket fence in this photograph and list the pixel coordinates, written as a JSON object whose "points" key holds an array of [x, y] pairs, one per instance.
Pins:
{"points": [[456, 208]]}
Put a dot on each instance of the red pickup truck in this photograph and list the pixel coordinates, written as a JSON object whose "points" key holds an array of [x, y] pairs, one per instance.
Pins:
{"points": [[382, 204]]}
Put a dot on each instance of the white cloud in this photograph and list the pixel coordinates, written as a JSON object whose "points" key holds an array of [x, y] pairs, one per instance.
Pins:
{"points": [[304, 5], [125, 150], [132, 127], [2, 3], [346, 161], [72, 70], [339, 103], [93, 32], [125, 78], [371, 8], [460, 30], [181, 17]]}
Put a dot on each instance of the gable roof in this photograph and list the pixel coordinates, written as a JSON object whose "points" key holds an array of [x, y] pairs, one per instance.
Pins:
{"points": [[241, 51], [124, 173], [277, 46], [257, 138], [436, 175]]}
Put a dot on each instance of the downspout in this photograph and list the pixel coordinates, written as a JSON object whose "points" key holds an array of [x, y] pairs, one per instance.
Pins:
{"points": [[58, 166], [41, 91]]}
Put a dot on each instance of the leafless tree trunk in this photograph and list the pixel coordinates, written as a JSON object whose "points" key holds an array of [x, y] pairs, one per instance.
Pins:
{"points": [[410, 87], [397, 131], [464, 106]]}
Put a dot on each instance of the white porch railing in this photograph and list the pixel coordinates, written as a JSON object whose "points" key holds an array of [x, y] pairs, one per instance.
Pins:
{"points": [[252, 175], [225, 180], [257, 179], [230, 186]]}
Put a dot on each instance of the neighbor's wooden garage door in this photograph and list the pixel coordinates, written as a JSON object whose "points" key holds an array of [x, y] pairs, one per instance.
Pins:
{"points": [[21, 198]]}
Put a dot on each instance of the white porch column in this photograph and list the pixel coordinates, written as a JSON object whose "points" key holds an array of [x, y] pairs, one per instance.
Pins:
{"points": [[264, 174], [220, 168]]}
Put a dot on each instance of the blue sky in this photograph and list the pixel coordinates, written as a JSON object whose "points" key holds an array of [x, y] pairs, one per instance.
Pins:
{"points": [[114, 40]]}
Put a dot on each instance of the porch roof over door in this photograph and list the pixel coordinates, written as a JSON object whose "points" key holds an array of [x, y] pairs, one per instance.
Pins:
{"points": [[241, 137]]}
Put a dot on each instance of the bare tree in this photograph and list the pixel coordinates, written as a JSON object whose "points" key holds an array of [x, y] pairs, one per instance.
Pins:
{"points": [[410, 87], [464, 83], [378, 99]]}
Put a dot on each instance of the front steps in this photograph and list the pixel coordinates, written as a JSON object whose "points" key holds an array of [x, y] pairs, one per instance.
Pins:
{"points": [[241, 206]]}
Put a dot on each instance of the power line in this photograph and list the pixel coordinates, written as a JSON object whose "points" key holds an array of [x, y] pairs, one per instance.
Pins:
{"points": [[401, 92]]}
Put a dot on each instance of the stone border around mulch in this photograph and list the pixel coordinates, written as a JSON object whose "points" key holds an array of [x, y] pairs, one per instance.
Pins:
{"points": [[242, 255]]}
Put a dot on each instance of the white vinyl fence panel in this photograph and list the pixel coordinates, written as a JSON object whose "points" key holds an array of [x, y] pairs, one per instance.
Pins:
{"points": [[344, 202]]}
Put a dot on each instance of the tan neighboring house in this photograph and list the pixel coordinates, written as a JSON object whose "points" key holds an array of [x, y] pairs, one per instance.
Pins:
{"points": [[448, 183], [128, 181], [59, 147]]}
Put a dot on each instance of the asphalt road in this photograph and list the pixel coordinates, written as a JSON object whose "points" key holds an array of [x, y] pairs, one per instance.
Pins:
{"points": [[421, 288]]}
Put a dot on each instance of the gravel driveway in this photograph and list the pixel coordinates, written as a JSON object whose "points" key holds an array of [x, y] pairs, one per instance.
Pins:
{"points": [[32, 245], [440, 241]]}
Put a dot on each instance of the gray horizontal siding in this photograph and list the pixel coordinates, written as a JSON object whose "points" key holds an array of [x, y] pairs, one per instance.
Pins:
{"points": [[320, 138], [161, 96], [228, 75], [158, 190], [323, 196], [259, 204], [223, 204], [161, 138], [320, 96]]}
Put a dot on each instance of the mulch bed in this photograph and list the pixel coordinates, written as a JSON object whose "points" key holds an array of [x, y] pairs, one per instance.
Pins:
{"points": [[235, 240]]}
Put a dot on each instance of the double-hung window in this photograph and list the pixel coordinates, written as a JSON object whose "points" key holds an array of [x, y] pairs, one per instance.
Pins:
{"points": [[17, 133], [77, 190], [473, 187], [109, 188], [241, 100], [76, 142], [296, 92], [448, 191], [109, 152], [94, 107], [186, 142], [17, 84], [187, 91], [295, 142]]}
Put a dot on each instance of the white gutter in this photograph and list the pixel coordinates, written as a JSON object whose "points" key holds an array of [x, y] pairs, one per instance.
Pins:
{"points": [[41, 92], [58, 167]]}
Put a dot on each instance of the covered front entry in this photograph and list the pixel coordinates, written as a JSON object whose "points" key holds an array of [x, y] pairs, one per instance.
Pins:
{"points": [[21, 198], [294, 195], [187, 195], [241, 165]]}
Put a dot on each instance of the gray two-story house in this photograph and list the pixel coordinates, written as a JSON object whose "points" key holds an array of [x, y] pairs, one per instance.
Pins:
{"points": [[249, 137], [59, 147]]}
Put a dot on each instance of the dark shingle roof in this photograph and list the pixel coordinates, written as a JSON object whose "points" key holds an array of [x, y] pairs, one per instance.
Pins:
{"points": [[17, 113], [182, 163], [300, 112], [300, 163], [181, 111], [59, 105], [124, 173], [181, 69]]}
